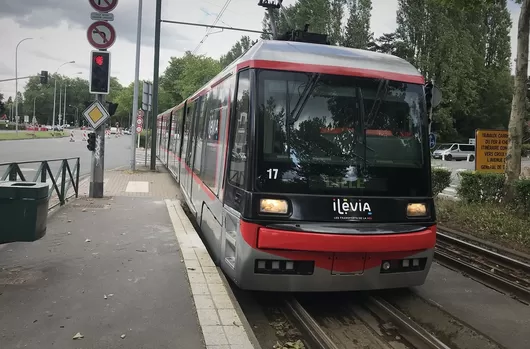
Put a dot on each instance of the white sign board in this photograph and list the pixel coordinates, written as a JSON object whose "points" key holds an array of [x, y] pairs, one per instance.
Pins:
{"points": [[96, 114], [98, 16], [26, 119]]}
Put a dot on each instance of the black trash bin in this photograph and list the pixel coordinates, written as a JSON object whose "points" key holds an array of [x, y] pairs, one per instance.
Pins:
{"points": [[23, 211]]}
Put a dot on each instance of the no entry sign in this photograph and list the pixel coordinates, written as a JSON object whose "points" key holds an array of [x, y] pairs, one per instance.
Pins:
{"points": [[101, 35], [103, 5]]}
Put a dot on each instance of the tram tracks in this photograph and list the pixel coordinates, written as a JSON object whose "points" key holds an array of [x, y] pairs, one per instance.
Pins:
{"points": [[364, 322], [503, 273]]}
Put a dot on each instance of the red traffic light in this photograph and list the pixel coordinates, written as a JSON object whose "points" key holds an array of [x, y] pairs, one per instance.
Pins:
{"points": [[99, 60]]}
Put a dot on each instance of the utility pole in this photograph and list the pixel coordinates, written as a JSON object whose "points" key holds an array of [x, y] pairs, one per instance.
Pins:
{"points": [[158, 18], [101, 35], [97, 167], [135, 93]]}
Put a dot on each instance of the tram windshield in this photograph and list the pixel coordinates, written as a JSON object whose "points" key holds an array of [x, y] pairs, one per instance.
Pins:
{"points": [[331, 134]]}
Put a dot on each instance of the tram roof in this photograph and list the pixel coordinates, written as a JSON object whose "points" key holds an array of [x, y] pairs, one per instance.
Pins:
{"points": [[301, 56], [326, 55]]}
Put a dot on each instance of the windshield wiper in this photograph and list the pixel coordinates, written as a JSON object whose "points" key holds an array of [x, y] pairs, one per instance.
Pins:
{"points": [[383, 86], [304, 98], [360, 100]]}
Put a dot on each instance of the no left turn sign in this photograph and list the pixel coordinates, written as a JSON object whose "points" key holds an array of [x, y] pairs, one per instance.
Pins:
{"points": [[103, 5], [101, 35]]}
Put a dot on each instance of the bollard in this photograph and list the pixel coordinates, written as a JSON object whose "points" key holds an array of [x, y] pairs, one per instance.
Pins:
{"points": [[72, 136]]}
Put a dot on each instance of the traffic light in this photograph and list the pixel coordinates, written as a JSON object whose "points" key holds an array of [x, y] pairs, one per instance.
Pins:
{"points": [[112, 108], [91, 141], [43, 77], [100, 72]]}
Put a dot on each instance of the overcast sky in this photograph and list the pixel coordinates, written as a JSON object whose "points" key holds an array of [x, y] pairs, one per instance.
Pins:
{"points": [[58, 29]]}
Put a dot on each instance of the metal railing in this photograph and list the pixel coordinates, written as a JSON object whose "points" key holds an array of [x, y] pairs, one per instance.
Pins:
{"points": [[60, 183]]}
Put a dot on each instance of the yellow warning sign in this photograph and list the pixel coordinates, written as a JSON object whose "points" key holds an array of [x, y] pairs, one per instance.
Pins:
{"points": [[490, 152], [96, 114]]}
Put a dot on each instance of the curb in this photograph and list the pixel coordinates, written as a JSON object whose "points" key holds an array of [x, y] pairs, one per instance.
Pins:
{"points": [[223, 324]]}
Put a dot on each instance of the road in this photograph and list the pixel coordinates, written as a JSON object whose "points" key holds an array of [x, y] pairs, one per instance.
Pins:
{"points": [[117, 152]]}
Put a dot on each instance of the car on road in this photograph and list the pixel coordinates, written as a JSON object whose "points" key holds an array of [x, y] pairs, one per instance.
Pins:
{"points": [[454, 151], [113, 130]]}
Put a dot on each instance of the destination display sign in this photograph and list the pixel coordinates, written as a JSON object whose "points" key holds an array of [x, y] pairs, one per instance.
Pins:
{"points": [[491, 147]]}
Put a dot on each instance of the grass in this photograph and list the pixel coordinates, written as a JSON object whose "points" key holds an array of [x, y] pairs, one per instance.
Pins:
{"points": [[490, 222], [9, 136]]}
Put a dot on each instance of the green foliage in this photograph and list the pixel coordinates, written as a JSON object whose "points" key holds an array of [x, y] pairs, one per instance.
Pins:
{"points": [[522, 196], [441, 179], [237, 50], [357, 33], [477, 187], [187, 74], [10, 127], [467, 53], [489, 188], [490, 221]]}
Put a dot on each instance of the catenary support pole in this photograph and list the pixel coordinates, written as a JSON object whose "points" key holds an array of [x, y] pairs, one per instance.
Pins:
{"points": [[156, 67], [98, 160], [135, 94]]}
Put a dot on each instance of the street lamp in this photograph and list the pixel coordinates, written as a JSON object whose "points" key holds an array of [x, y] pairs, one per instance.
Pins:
{"points": [[34, 100], [76, 115], [55, 91], [63, 115], [16, 81]]}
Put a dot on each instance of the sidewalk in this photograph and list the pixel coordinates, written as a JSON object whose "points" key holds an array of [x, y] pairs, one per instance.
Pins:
{"points": [[117, 270]]}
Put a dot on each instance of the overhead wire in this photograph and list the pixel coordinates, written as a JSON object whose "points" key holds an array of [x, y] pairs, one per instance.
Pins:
{"points": [[214, 23]]}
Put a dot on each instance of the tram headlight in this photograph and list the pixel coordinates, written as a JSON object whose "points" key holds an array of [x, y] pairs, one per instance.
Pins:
{"points": [[273, 206], [416, 210]]}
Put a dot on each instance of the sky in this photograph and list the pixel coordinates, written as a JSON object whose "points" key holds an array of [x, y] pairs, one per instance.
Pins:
{"points": [[58, 29]]}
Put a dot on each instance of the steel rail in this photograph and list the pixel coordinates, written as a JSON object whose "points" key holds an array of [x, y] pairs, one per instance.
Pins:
{"points": [[484, 276], [484, 252], [417, 336], [309, 325], [407, 326]]}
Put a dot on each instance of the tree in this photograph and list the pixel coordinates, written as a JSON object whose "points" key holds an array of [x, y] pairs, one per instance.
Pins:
{"points": [[240, 47], [2, 105], [77, 95], [357, 33], [518, 109], [518, 113]]}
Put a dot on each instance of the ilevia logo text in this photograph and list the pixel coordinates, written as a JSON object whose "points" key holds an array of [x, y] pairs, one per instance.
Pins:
{"points": [[352, 209]]}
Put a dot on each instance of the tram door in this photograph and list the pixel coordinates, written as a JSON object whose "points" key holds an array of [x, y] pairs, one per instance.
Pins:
{"points": [[191, 133]]}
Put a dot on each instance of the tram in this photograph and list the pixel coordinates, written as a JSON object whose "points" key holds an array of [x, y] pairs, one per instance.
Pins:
{"points": [[307, 167]]}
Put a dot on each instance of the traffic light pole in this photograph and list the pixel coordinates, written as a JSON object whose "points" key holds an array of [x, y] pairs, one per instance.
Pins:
{"points": [[154, 108], [98, 160]]}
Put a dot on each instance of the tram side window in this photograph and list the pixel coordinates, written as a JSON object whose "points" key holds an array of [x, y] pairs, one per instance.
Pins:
{"points": [[197, 135], [210, 141], [238, 156], [187, 131]]}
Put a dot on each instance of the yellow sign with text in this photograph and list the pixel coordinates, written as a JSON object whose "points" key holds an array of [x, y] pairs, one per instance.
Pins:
{"points": [[490, 150]]}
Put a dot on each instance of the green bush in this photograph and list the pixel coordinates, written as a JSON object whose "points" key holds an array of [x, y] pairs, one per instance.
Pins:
{"points": [[11, 127], [489, 221], [477, 187], [441, 179], [522, 196]]}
